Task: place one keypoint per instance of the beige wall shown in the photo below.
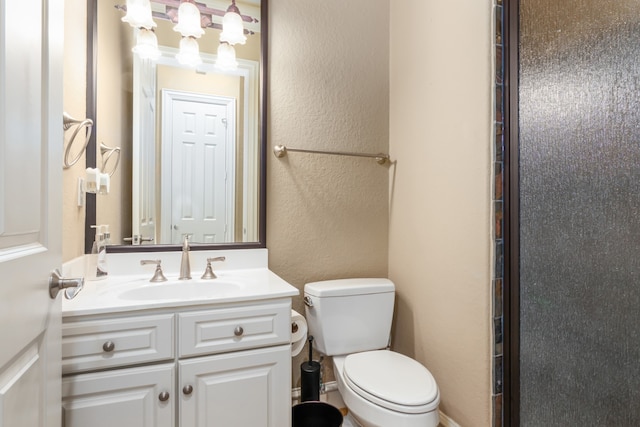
(440, 228)
(327, 217)
(75, 88)
(424, 222)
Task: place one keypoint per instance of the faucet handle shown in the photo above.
(208, 272)
(185, 242)
(158, 276)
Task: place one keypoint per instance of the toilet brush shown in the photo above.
(310, 377)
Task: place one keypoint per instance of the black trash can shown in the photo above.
(316, 414)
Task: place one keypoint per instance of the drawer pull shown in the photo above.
(238, 331)
(109, 346)
(164, 396)
(188, 389)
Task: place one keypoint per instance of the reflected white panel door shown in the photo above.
(31, 141)
(202, 141)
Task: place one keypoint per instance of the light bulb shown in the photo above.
(139, 14)
(232, 26)
(189, 20)
(146, 45)
(189, 52)
(226, 59)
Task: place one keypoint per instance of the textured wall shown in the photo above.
(327, 216)
(441, 190)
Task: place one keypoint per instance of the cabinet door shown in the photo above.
(241, 389)
(123, 398)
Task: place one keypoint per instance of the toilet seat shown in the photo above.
(391, 380)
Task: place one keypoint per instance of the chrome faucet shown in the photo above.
(185, 267)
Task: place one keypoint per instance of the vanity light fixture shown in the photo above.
(190, 18)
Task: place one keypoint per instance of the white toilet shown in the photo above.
(350, 319)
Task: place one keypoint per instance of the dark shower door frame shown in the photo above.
(511, 279)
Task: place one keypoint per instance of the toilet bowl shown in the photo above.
(377, 400)
(350, 320)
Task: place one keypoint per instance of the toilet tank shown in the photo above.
(349, 315)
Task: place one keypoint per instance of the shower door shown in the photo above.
(579, 213)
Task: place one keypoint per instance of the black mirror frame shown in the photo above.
(91, 110)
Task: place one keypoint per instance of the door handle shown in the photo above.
(71, 286)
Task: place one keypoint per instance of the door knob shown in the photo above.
(71, 286)
(188, 389)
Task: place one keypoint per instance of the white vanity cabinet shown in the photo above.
(194, 366)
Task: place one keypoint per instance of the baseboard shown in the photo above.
(328, 393)
(446, 421)
(329, 387)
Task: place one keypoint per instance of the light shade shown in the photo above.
(146, 45)
(232, 27)
(139, 14)
(189, 20)
(226, 59)
(189, 52)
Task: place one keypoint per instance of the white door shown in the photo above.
(202, 144)
(31, 141)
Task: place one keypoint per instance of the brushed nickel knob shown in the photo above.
(164, 396)
(238, 331)
(109, 346)
(188, 389)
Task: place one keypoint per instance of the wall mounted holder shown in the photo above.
(107, 152)
(67, 123)
(280, 151)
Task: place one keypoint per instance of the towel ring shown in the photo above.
(106, 152)
(67, 122)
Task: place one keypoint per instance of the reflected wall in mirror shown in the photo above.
(192, 138)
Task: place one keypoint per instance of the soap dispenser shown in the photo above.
(107, 235)
(96, 261)
(102, 239)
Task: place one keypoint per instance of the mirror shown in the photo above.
(209, 185)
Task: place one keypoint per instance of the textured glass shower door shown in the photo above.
(579, 142)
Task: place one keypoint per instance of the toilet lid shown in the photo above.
(391, 380)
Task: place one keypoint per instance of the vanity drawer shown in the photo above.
(106, 343)
(234, 328)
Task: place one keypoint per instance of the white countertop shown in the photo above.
(129, 288)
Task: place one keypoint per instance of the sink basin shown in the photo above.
(181, 290)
